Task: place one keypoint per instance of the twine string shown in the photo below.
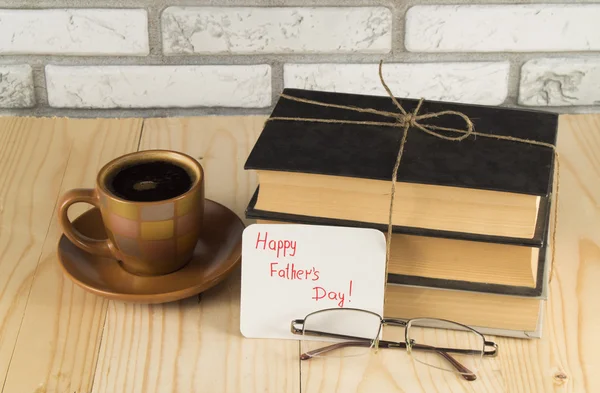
(407, 120)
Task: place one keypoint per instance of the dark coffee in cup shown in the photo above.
(150, 181)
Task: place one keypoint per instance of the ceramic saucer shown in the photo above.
(218, 251)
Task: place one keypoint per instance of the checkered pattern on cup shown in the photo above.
(156, 231)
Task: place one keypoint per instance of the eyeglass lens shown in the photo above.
(327, 327)
(432, 340)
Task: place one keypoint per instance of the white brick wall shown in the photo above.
(503, 28)
(276, 30)
(74, 32)
(160, 54)
(16, 87)
(560, 82)
(483, 83)
(158, 86)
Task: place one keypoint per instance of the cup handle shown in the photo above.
(93, 246)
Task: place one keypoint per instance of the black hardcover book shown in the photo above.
(542, 232)
(369, 151)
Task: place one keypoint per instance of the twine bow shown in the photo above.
(407, 120)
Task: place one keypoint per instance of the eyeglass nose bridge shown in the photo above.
(400, 323)
(394, 322)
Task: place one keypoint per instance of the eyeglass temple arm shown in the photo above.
(333, 347)
(465, 372)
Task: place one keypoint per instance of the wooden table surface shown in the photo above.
(55, 337)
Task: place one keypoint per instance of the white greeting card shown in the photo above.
(289, 271)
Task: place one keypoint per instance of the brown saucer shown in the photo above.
(218, 251)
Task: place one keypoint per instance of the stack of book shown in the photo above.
(470, 220)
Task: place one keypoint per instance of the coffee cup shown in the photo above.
(152, 206)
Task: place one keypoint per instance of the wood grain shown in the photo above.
(52, 337)
(32, 162)
(567, 358)
(57, 344)
(195, 345)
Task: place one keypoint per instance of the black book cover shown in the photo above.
(369, 151)
(541, 234)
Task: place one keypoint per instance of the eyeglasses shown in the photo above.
(438, 343)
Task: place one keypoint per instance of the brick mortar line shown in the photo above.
(512, 94)
(39, 86)
(26, 4)
(398, 28)
(214, 111)
(276, 82)
(154, 31)
(231, 59)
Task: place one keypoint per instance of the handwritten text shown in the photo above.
(290, 272)
(282, 247)
(339, 296)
